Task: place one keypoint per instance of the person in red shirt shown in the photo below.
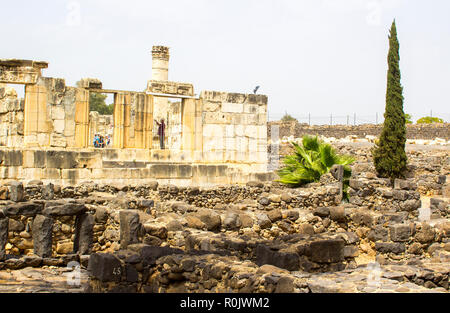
(161, 132)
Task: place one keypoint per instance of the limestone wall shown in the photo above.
(11, 117)
(234, 127)
(413, 131)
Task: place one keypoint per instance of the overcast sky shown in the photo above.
(313, 56)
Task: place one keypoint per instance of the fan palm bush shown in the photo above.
(310, 161)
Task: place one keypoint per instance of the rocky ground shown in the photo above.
(262, 237)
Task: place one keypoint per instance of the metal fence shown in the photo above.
(349, 119)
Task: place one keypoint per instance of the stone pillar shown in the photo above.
(81, 118)
(160, 63)
(148, 122)
(143, 121)
(160, 71)
(192, 132)
(121, 120)
(4, 225)
(42, 230)
(130, 227)
(36, 128)
(84, 234)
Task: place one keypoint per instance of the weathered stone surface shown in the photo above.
(42, 236)
(105, 267)
(327, 251)
(337, 214)
(130, 228)
(156, 229)
(150, 254)
(322, 212)
(16, 226)
(274, 215)
(387, 247)
(48, 191)
(378, 233)
(211, 219)
(232, 221)
(16, 191)
(425, 233)
(400, 232)
(263, 220)
(67, 209)
(4, 223)
(84, 232)
(286, 260)
(101, 215)
(338, 172)
(404, 184)
(28, 209)
(285, 285)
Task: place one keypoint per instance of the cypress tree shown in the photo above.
(389, 154)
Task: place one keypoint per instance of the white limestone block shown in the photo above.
(232, 107)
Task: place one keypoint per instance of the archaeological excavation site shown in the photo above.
(185, 197)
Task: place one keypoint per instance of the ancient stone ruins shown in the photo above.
(205, 214)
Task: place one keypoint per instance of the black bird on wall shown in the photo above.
(256, 89)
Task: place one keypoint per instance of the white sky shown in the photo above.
(313, 56)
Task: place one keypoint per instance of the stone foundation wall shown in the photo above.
(122, 166)
(413, 131)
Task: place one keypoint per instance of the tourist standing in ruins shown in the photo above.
(161, 132)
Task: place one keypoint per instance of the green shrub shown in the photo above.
(310, 161)
(429, 120)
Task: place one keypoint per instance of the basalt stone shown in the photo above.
(388, 247)
(32, 261)
(264, 201)
(337, 214)
(263, 220)
(101, 215)
(16, 226)
(48, 191)
(425, 234)
(401, 195)
(404, 184)
(130, 228)
(327, 251)
(400, 232)
(42, 236)
(67, 209)
(410, 205)
(274, 215)
(27, 209)
(16, 191)
(84, 233)
(150, 254)
(232, 221)
(281, 259)
(378, 233)
(322, 212)
(285, 285)
(211, 219)
(292, 215)
(4, 224)
(146, 204)
(105, 267)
